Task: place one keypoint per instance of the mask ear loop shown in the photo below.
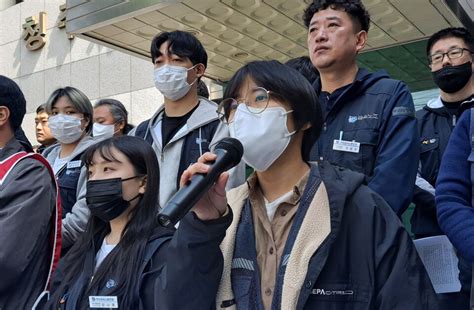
(115, 131)
(290, 133)
(195, 80)
(138, 195)
(130, 178)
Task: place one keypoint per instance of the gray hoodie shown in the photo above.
(169, 157)
(75, 222)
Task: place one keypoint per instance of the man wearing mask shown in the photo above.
(43, 133)
(369, 119)
(449, 53)
(186, 125)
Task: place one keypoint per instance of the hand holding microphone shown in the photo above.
(203, 185)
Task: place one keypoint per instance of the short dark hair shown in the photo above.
(12, 97)
(356, 10)
(202, 89)
(78, 99)
(304, 66)
(41, 108)
(289, 85)
(452, 32)
(181, 43)
(118, 111)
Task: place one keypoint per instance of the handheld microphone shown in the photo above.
(229, 152)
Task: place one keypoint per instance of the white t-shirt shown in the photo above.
(273, 206)
(104, 250)
(59, 163)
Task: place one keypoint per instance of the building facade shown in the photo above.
(98, 71)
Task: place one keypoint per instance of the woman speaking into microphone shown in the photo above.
(304, 235)
(125, 259)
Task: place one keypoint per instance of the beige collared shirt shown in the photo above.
(270, 237)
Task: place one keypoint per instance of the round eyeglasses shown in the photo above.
(256, 102)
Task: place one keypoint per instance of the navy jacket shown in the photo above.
(454, 196)
(378, 113)
(182, 273)
(366, 261)
(453, 190)
(435, 126)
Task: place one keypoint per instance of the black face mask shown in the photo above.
(104, 198)
(453, 78)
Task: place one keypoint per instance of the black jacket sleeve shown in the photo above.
(401, 278)
(191, 266)
(27, 200)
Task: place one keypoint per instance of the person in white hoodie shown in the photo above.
(70, 122)
(186, 125)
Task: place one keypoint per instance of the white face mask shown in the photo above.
(172, 82)
(264, 136)
(103, 131)
(65, 128)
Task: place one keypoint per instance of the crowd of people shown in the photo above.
(336, 155)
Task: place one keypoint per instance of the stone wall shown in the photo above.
(98, 71)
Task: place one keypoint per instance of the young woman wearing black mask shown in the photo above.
(125, 259)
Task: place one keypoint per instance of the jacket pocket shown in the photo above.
(241, 289)
(364, 160)
(339, 296)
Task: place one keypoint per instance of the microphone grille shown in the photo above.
(233, 147)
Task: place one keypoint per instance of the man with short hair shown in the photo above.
(450, 54)
(186, 125)
(43, 133)
(27, 209)
(369, 119)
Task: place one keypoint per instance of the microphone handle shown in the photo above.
(186, 197)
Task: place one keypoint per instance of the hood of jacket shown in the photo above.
(52, 152)
(363, 80)
(436, 106)
(13, 146)
(364, 83)
(205, 113)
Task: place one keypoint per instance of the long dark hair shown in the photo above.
(126, 258)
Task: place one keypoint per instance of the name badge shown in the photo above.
(74, 164)
(107, 302)
(346, 146)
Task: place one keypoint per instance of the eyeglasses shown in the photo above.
(453, 53)
(256, 102)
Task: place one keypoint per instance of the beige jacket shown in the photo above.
(315, 228)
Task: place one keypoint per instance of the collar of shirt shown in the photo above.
(271, 236)
(255, 192)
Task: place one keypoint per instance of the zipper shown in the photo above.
(454, 120)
